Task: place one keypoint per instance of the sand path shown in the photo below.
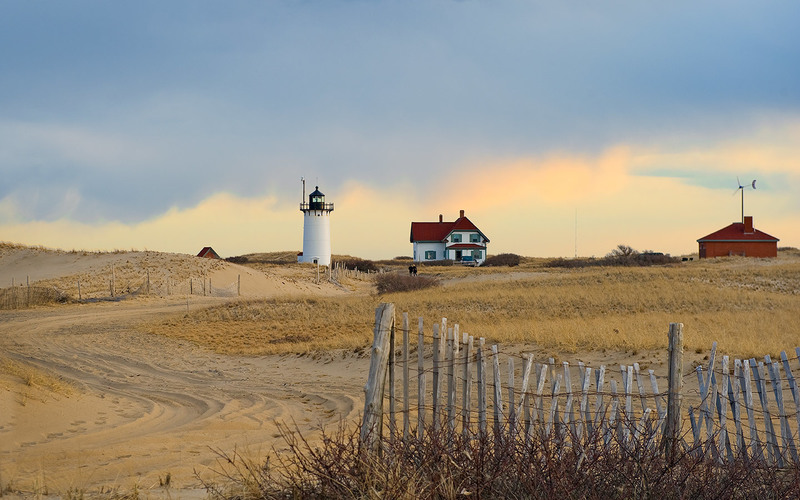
(145, 405)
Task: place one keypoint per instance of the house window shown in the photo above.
(456, 238)
(430, 254)
(474, 238)
(476, 254)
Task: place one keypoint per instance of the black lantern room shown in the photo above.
(316, 200)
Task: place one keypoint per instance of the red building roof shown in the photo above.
(208, 253)
(736, 232)
(438, 231)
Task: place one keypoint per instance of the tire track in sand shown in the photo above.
(147, 405)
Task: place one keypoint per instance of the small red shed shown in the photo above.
(740, 238)
(208, 253)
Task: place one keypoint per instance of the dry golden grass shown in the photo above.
(750, 307)
(35, 377)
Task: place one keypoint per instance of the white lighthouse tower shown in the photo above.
(316, 228)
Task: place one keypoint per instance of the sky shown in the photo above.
(561, 128)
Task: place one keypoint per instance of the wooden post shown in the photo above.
(755, 442)
(512, 417)
(672, 428)
(568, 414)
(481, 362)
(392, 384)
(28, 286)
(113, 280)
(773, 454)
(238, 285)
(148, 282)
(467, 393)
(599, 409)
(498, 393)
(79, 289)
(451, 380)
(420, 382)
(406, 409)
(437, 352)
(374, 390)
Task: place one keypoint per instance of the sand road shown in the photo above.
(143, 406)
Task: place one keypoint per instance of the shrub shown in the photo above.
(360, 264)
(239, 259)
(444, 465)
(503, 259)
(623, 255)
(394, 282)
(445, 262)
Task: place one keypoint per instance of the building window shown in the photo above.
(430, 254)
(456, 238)
(474, 238)
(477, 254)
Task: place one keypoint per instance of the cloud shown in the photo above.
(538, 206)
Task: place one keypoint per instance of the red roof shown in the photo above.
(438, 231)
(735, 232)
(209, 253)
(460, 246)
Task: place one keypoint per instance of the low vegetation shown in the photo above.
(397, 283)
(623, 255)
(503, 259)
(35, 377)
(445, 467)
(20, 297)
(354, 263)
(619, 308)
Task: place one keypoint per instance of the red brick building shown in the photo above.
(208, 253)
(740, 239)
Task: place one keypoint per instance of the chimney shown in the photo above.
(461, 214)
(440, 218)
(748, 224)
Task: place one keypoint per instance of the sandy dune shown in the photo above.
(137, 406)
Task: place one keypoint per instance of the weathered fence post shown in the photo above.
(481, 367)
(674, 396)
(437, 352)
(392, 385)
(420, 381)
(406, 409)
(374, 390)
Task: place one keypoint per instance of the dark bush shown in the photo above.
(239, 259)
(623, 255)
(394, 282)
(360, 264)
(445, 262)
(503, 259)
(445, 465)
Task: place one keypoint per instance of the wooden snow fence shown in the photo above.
(460, 390)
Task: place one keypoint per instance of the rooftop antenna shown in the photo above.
(741, 188)
(303, 180)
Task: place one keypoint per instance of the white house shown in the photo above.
(460, 241)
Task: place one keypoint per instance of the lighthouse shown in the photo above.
(316, 228)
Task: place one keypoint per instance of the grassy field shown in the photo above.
(751, 307)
